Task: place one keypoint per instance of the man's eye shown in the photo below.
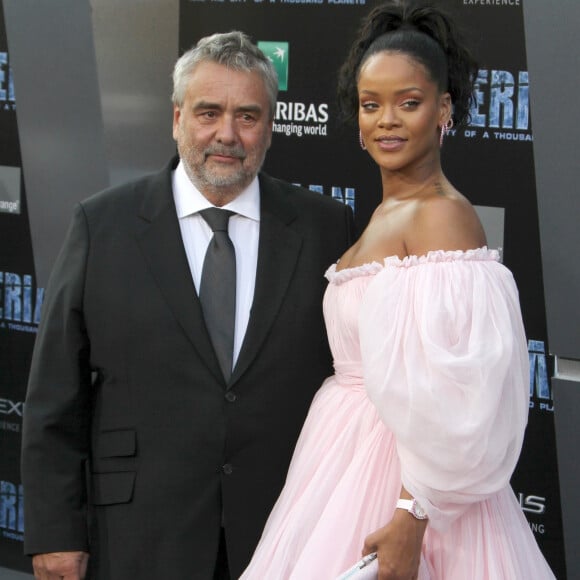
(208, 115)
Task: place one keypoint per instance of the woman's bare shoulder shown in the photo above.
(444, 221)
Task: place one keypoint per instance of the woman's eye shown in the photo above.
(411, 104)
(368, 106)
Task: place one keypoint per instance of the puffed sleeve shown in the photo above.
(445, 362)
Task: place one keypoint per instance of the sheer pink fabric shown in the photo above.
(445, 361)
(442, 407)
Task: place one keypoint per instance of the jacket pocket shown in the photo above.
(113, 467)
(112, 488)
(118, 443)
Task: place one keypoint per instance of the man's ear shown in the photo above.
(176, 118)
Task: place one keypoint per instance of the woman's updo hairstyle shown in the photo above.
(422, 32)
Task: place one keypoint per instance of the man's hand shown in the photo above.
(60, 566)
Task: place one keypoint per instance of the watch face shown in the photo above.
(418, 511)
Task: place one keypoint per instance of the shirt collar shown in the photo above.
(189, 200)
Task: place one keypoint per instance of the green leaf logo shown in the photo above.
(278, 53)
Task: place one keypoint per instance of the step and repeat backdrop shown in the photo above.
(20, 305)
(490, 161)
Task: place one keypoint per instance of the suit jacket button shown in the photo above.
(228, 469)
(230, 396)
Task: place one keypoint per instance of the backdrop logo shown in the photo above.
(540, 390)
(346, 195)
(533, 505)
(10, 415)
(8, 407)
(9, 189)
(7, 100)
(279, 54)
(491, 2)
(11, 511)
(20, 303)
(501, 107)
(293, 119)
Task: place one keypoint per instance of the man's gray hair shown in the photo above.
(234, 50)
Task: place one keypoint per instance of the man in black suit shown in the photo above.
(142, 458)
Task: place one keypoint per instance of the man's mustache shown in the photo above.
(235, 151)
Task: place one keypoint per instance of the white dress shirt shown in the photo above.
(244, 231)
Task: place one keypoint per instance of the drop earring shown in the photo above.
(445, 128)
(361, 142)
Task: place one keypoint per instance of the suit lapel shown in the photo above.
(162, 247)
(278, 251)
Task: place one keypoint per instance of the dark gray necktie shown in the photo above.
(217, 291)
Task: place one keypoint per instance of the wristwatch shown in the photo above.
(413, 507)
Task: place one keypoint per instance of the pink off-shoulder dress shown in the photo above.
(430, 391)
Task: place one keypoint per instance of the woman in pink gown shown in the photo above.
(429, 399)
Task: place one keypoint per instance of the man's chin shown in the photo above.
(226, 179)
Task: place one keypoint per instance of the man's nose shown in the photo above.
(226, 130)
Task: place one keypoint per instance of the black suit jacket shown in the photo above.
(134, 448)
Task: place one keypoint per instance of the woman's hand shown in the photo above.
(398, 546)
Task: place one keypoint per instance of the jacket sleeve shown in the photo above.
(55, 439)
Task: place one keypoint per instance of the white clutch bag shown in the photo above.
(366, 568)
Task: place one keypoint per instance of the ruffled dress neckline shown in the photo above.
(435, 256)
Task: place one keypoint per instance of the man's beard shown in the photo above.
(205, 177)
